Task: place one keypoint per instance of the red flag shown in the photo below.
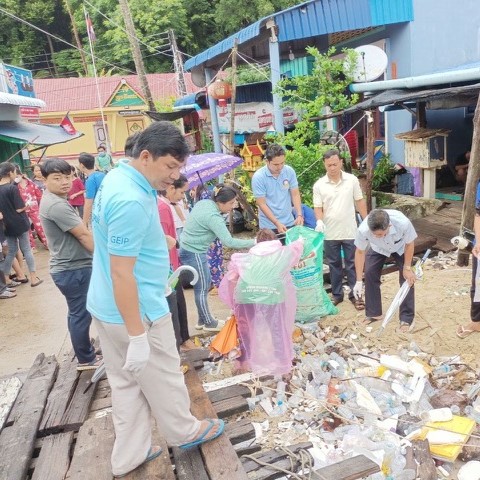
(67, 125)
(90, 30)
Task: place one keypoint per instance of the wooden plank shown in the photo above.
(272, 456)
(101, 403)
(78, 408)
(230, 406)
(421, 452)
(59, 398)
(349, 469)
(230, 392)
(189, 464)
(91, 458)
(220, 459)
(160, 467)
(9, 390)
(17, 439)
(196, 355)
(240, 431)
(54, 458)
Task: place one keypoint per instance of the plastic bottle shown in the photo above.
(281, 406)
(407, 474)
(472, 413)
(345, 412)
(442, 369)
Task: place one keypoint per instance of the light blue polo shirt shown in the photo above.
(276, 192)
(126, 223)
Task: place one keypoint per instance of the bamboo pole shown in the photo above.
(370, 157)
(234, 96)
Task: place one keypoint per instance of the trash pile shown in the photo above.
(348, 401)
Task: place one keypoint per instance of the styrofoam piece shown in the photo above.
(365, 400)
(393, 362)
(228, 382)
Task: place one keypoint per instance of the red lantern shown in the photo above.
(220, 90)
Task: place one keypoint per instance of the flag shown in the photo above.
(90, 30)
(67, 125)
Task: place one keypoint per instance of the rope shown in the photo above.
(302, 459)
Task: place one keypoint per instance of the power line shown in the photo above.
(61, 40)
(119, 26)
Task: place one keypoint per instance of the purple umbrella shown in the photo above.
(202, 168)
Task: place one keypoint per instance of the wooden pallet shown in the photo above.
(58, 429)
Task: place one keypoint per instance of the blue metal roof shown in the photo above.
(314, 18)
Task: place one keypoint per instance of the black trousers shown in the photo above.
(178, 309)
(474, 306)
(373, 296)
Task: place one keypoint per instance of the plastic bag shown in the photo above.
(259, 289)
(312, 299)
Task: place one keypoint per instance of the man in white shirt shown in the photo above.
(387, 233)
(336, 196)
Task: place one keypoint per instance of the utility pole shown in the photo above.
(137, 54)
(77, 36)
(473, 175)
(234, 96)
(178, 64)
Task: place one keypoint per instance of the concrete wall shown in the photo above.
(443, 35)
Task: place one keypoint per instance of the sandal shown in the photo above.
(358, 303)
(203, 437)
(369, 320)
(152, 454)
(463, 332)
(405, 327)
(36, 284)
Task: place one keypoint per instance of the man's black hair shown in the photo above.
(55, 165)
(6, 168)
(130, 143)
(87, 160)
(161, 139)
(274, 150)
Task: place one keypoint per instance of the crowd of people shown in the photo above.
(116, 238)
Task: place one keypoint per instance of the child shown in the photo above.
(259, 289)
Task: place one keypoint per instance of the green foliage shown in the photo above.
(325, 87)
(232, 15)
(383, 174)
(249, 74)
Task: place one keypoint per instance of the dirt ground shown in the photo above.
(35, 321)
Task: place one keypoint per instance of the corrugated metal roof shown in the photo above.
(314, 18)
(76, 94)
(44, 135)
(12, 99)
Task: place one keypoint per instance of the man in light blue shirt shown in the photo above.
(127, 300)
(387, 233)
(275, 188)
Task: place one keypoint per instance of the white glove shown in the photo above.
(320, 227)
(358, 290)
(137, 354)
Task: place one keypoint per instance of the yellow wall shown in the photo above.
(84, 121)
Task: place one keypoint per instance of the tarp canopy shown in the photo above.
(170, 116)
(41, 135)
(436, 98)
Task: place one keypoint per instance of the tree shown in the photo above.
(232, 16)
(310, 95)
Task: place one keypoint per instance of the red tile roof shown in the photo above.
(73, 94)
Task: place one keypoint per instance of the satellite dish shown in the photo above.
(371, 62)
(336, 140)
(198, 77)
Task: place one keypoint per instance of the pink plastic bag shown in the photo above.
(258, 288)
